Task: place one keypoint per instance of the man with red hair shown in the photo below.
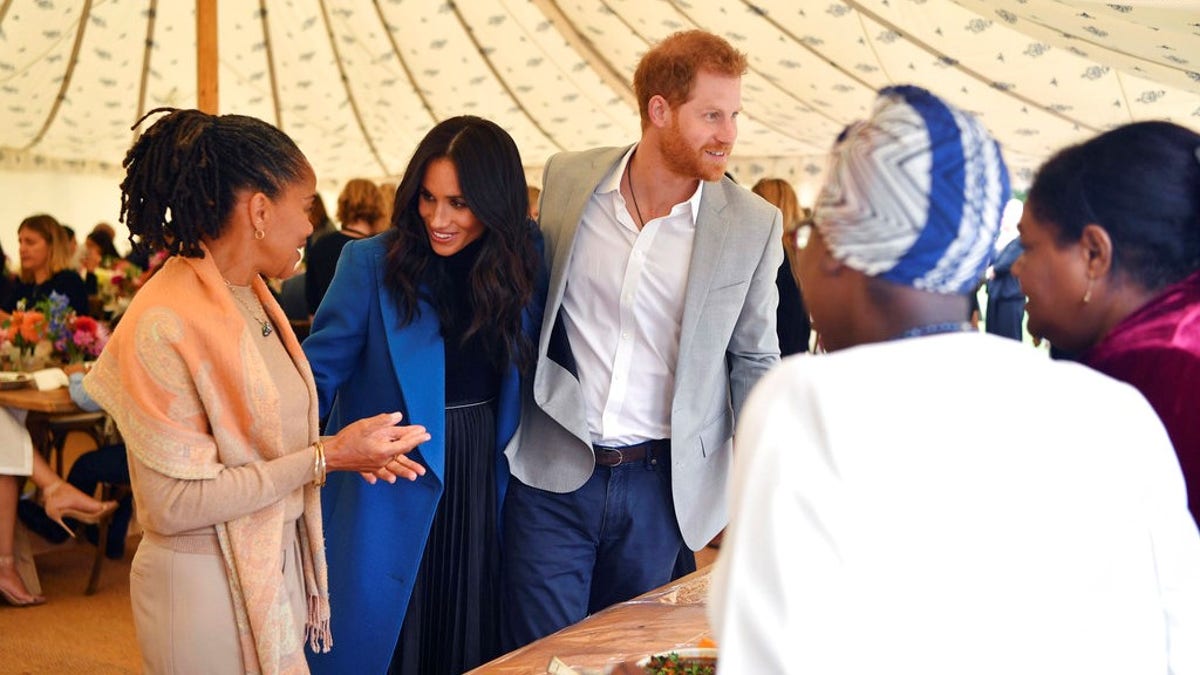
(660, 317)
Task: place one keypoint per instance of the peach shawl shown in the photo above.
(191, 395)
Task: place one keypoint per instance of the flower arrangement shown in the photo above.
(24, 329)
(51, 329)
(83, 338)
(117, 284)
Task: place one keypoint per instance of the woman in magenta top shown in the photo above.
(1111, 231)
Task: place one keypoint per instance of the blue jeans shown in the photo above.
(570, 555)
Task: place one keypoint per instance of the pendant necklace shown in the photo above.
(935, 329)
(264, 324)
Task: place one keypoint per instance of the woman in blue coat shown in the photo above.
(434, 318)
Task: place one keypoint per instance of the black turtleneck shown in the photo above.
(470, 375)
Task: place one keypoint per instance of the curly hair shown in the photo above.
(183, 174)
(669, 68)
(502, 279)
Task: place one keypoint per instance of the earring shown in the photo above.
(259, 233)
(1087, 295)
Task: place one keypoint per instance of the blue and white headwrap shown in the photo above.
(914, 194)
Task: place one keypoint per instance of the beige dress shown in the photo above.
(16, 448)
(182, 604)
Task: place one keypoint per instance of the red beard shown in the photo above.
(684, 160)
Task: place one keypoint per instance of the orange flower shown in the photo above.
(30, 323)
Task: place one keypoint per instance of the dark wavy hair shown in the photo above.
(183, 173)
(103, 240)
(1141, 183)
(501, 281)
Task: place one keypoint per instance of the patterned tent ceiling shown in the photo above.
(358, 82)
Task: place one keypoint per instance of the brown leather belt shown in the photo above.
(616, 456)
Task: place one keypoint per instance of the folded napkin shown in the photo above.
(50, 378)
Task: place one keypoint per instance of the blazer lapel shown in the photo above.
(708, 247)
(555, 384)
(562, 223)
(418, 359)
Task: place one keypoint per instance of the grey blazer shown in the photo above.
(727, 342)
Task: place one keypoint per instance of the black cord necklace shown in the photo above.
(629, 180)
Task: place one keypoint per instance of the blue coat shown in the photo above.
(365, 363)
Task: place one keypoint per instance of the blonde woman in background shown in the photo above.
(45, 267)
(791, 317)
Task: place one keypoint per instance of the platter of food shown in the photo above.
(681, 661)
(12, 380)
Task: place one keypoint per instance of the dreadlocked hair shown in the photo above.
(501, 280)
(183, 173)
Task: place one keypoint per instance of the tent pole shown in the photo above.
(206, 56)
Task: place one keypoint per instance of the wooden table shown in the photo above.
(53, 401)
(666, 618)
(52, 415)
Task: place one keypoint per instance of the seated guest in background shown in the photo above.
(216, 403)
(1111, 231)
(106, 464)
(791, 317)
(6, 278)
(45, 268)
(359, 208)
(60, 500)
(100, 249)
(99, 252)
(435, 317)
(105, 229)
(873, 529)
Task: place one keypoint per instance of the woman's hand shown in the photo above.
(376, 447)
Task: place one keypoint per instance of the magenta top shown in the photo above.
(1157, 350)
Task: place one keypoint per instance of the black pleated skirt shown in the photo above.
(453, 620)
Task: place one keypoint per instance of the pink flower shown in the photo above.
(85, 324)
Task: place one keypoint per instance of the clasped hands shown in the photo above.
(377, 447)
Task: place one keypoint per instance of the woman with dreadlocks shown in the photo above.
(434, 317)
(216, 402)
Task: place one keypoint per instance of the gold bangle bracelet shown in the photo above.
(319, 464)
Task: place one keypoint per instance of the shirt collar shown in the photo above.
(612, 183)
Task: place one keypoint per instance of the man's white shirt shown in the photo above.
(623, 309)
